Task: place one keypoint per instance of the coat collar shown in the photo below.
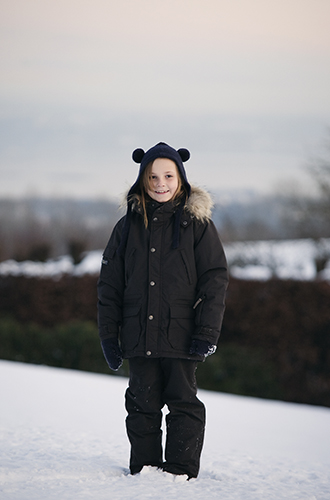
(198, 206)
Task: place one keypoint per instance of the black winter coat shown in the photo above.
(157, 299)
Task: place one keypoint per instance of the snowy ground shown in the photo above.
(261, 260)
(287, 259)
(63, 437)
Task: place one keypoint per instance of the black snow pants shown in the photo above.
(154, 383)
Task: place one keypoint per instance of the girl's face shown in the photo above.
(163, 180)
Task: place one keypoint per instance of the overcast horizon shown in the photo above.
(244, 85)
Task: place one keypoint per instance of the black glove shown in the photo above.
(202, 347)
(112, 353)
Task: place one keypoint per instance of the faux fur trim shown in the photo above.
(199, 203)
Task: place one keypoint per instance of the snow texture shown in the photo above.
(258, 260)
(63, 437)
(287, 259)
(91, 264)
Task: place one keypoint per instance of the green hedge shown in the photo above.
(240, 370)
(76, 345)
(275, 340)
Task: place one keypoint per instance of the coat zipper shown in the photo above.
(198, 301)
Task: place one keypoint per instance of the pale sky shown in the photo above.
(243, 84)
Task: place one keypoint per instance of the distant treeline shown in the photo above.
(275, 341)
(39, 229)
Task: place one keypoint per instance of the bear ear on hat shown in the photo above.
(138, 155)
(184, 154)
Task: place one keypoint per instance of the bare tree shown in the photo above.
(307, 215)
(319, 169)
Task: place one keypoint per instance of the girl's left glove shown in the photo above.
(202, 347)
(112, 353)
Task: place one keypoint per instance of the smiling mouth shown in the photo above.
(162, 192)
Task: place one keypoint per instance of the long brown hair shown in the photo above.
(145, 187)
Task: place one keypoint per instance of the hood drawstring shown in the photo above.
(176, 228)
(176, 225)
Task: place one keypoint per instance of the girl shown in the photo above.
(161, 291)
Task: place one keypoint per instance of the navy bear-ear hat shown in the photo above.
(160, 150)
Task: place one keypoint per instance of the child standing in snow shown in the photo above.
(161, 292)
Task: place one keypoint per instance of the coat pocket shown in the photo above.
(181, 327)
(131, 327)
(129, 265)
(186, 265)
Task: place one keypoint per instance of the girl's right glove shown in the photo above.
(112, 353)
(202, 347)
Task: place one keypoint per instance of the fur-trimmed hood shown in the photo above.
(199, 203)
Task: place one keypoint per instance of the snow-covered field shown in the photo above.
(287, 259)
(63, 437)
